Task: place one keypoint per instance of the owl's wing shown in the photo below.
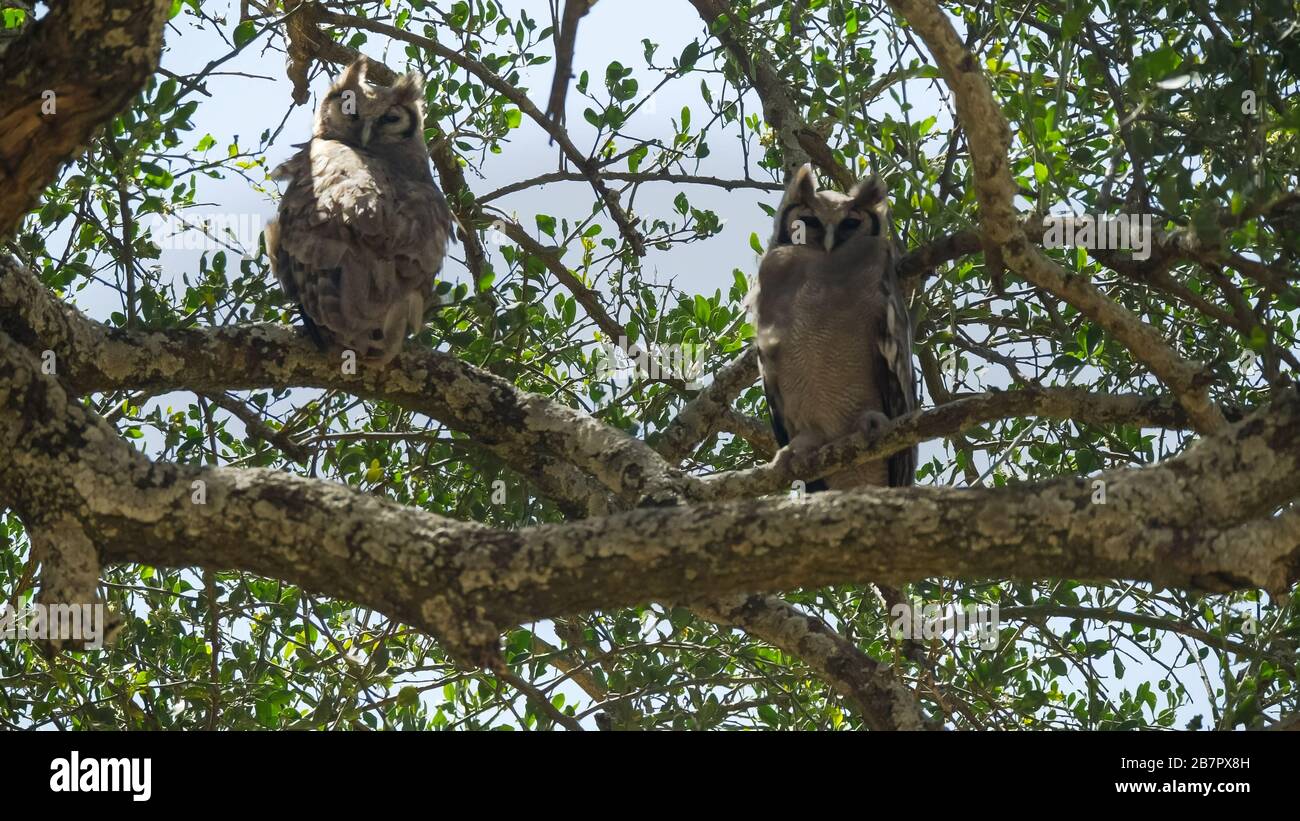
(769, 303)
(772, 392)
(773, 396)
(895, 378)
(779, 275)
(357, 246)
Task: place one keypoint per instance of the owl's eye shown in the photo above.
(800, 226)
(346, 100)
(389, 119)
(850, 224)
(804, 229)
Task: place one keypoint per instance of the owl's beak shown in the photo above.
(829, 240)
(365, 132)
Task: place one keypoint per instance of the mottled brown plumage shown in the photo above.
(833, 334)
(362, 227)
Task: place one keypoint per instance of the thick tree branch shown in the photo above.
(118, 356)
(66, 76)
(531, 431)
(27, 309)
(1202, 520)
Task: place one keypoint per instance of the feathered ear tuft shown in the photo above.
(409, 88)
(355, 74)
(803, 185)
(869, 193)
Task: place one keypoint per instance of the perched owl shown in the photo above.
(362, 228)
(834, 337)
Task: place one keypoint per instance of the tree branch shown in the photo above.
(1004, 239)
(1202, 520)
(66, 76)
(800, 143)
(950, 419)
(530, 431)
(512, 93)
(882, 701)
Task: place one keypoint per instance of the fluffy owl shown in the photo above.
(833, 333)
(362, 228)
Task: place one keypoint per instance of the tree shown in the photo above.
(493, 532)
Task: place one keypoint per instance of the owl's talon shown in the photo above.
(781, 461)
(799, 448)
(873, 423)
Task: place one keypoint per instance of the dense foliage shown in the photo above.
(1170, 108)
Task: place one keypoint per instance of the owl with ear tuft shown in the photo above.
(362, 228)
(833, 333)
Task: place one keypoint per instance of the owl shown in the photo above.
(833, 333)
(362, 228)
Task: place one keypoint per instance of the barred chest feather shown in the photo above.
(825, 356)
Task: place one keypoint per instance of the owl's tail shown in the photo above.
(312, 329)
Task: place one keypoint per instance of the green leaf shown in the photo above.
(244, 33)
(690, 55)
(634, 159)
(408, 696)
(703, 310)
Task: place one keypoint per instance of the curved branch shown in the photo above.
(703, 414)
(530, 431)
(585, 296)
(67, 75)
(633, 177)
(950, 419)
(1202, 520)
(881, 699)
(989, 139)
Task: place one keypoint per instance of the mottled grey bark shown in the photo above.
(1203, 520)
(869, 686)
(64, 78)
